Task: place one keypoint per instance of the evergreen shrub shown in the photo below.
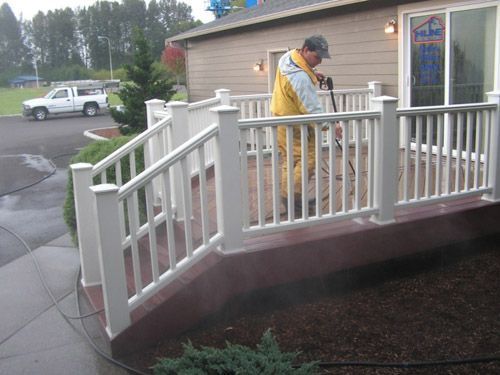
(267, 359)
(94, 153)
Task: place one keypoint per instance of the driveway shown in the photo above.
(37, 153)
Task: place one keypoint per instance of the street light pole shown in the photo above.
(109, 50)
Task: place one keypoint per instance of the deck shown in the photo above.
(299, 254)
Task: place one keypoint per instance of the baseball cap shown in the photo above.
(318, 44)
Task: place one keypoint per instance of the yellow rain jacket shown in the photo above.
(295, 94)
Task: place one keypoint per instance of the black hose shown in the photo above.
(66, 316)
(51, 173)
(449, 362)
(43, 280)
(329, 84)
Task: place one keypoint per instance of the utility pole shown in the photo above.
(109, 50)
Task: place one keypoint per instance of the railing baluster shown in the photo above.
(244, 178)
(487, 147)
(289, 177)
(118, 173)
(458, 164)
(357, 177)
(407, 159)
(468, 151)
(275, 170)
(332, 170)
(478, 149)
(318, 150)
(187, 209)
(346, 182)
(133, 222)
(449, 151)
(304, 144)
(203, 196)
(418, 157)
(169, 219)
(371, 161)
(261, 204)
(439, 153)
(428, 155)
(153, 246)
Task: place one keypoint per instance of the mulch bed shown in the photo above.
(436, 306)
(110, 132)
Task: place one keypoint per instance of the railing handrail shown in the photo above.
(203, 103)
(301, 119)
(167, 161)
(324, 92)
(130, 146)
(451, 108)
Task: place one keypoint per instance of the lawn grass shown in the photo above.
(11, 99)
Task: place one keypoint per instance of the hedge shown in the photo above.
(93, 153)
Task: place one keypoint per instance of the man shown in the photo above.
(295, 94)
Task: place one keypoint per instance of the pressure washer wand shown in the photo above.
(329, 84)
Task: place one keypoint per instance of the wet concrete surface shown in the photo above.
(34, 336)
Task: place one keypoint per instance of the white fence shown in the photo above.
(244, 154)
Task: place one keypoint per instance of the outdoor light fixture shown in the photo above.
(391, 27)
(259, 65)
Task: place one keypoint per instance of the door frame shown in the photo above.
(272, 59)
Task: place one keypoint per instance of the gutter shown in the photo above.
(266, 18)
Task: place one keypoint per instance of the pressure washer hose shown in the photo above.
(329, 84)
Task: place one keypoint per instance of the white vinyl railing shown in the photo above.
(334, 171)
(445, 152)
(380, 142)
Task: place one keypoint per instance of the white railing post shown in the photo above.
(154, 149)
(224, 95)
(180, 134)
(228, 178)
(85, 223)
(386, 156)
(494, 161)
(375, 89)
(114, 284)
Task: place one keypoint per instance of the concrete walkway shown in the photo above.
(34, 337)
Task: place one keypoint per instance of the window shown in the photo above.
(61, 94)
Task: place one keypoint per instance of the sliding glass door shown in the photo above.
(452, 56)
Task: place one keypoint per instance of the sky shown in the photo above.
(29, 8)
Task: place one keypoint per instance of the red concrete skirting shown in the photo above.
(299, 255)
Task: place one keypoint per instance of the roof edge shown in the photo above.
(269, 17)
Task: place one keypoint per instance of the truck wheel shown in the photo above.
(40, 114)
(90, 110)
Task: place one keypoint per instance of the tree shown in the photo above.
(145, 85)
(174, 58)
(13, 53)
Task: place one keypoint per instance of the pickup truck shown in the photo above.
(87, 100)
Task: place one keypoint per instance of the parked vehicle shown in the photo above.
(88, 100)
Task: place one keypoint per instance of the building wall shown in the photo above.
(361, 52)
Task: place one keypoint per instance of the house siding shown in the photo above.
(361, 52)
